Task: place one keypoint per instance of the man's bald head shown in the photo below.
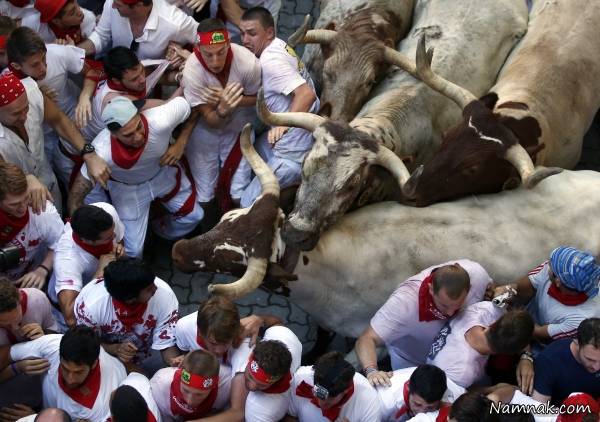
(52, 414)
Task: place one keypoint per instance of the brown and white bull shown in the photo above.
(405, 116)
(545, 100)
(361, 259)
(353, 38)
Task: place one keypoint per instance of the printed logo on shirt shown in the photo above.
(293, 53)
(440, 341)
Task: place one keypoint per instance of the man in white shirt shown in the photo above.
(94, 230)
(146, 26)
(220, 80)
(133, 312)
(80, 375)
(197, 389)
(17, 9)
(133, 401)
(231, 11)
(287, 87)
(331, 391)
(414, 314)
(464, 345)
(134, 144)
(61, 20)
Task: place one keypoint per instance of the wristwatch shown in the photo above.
(87, 148)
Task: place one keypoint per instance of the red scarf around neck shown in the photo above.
(566, 299)
(306, 390)
(12, 338)
(427, 309)
(10, 226)
(223, 75)
(17, 73)
(61, 33)
(180, 408)
(124, 156)
(90, 387)
(443, 413)
(96, 250)
(118, 86)
(129, 315)
(406, 406)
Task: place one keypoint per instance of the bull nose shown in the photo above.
(300, 239)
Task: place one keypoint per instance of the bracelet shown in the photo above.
(45, 268)
(369, 369)
(526, 356)
(13, 367)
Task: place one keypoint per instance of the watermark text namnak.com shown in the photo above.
(540, 409)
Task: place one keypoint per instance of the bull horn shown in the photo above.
(306, 121)
(396, 58)
(313, 36)
(394, 164)
(459, 95)
(530, 175)
(250, 281)
(268, 181)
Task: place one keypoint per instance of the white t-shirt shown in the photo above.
(166, 23)
(43, 29)
(363, 406)
(562, 320)
(391, 399)
(397, 321)
(94, 308)
(161, 122)
(272, 6)
(73, 266)
(450, 350)
(12, 11)
(520, 398)
(47, 347)
(161, 391)
(37, 309)
(41, 233)
(282, 73)
(142, 385)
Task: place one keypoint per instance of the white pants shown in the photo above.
(132, 203)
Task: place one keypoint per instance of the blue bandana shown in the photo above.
(575, 269)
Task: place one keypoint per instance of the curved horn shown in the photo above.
(268, 181)
(252, 278)
(459, 95)
(387, 159)
(530, 175)
(313, 36)
(306, 121)
(398, 59)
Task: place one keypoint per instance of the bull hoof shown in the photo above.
(539, 174)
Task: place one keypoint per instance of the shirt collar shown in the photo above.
(152, 22)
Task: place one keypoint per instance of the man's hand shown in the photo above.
(525, 375)
(176, 361)
(211, 95)
(230, 98)
(83, 112)
(276, 133)
(64, 41)
(172, 155)
(38, 194)
(489, 290)
(32, 331)
(35, 279)
(15, 412)
(48, 92)
(251, 326)
(126, 351)
(380, 378)
(119, 250)
(195, 5)
(176, 55)
(33, 366)
(98, 170)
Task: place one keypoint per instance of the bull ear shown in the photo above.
(489, 100)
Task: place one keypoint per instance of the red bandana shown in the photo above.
(129, 315)
(91, 387)
(11, 87)
(19, 3)
(61, 33)
(23, 302)
(96, 250)
(124, 156)
(118, 86)
(306, 390)
(427, 310)
(223, 75)
(218, 36)
(277, 387)
(566, 299)
(11, 226)
(405, 407)
(180, 408)
(3, 39)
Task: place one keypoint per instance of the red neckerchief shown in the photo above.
(129, 315)
(306, 390)
(280, 386)
(180, 408)
(10, 226)
(427, 309)
(224, 358)
(23, 303)
(566, 299)
(61, 33)
(223, 75)
(17, 73)
(223, 189)
(406, 406)
(96, 250)
(91, 385)
(443, 413)
(118, 86)
(124, 156)
(19, 3)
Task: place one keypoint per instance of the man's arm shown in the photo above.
(81, 187)
(540, 333)
(523, 286)
(88, 46)
(37, 277)
(232, 10)
(303, 98)
(170, 355)
(66, 302)
(540, 397)
(237, 403)
(366, 350)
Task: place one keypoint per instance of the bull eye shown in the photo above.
(470, 171)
